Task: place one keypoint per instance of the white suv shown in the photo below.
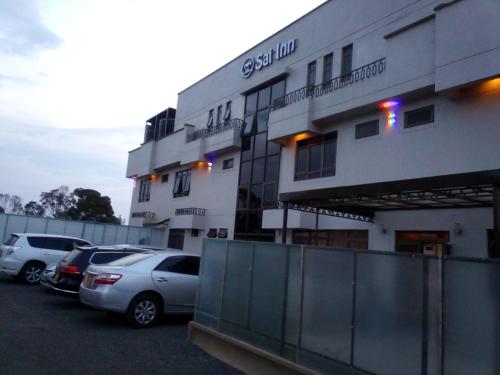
(26, 255)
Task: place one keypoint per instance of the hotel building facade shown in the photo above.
(363, 124)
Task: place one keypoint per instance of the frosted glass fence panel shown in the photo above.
(328, 303)
(471, 318)
(388, 317)
(352, 312)
(97, 233)
(211, 280)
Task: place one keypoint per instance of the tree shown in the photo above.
(11, 204)
(57, 202)
(91, 206)
(34, 209)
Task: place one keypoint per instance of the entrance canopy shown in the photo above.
(464, 190)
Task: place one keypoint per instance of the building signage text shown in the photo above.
(265, 59)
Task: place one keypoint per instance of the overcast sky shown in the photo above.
(78, 79)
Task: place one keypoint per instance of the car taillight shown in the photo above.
(70, 269)
(107, 278)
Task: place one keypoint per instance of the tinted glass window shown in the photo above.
(327, 67)
(101, 258)
(249, 124)
(245, 173)
(315, 158)
(180, 264)
(311, 73)
(62, 244)
(251, 103)
(258, 170)
(273, 148)
(260, 144)
(262, 117)
(367, 129)
(81, 243)
(272, 168)
(176, 239)
(131, 259)
(419, 116)
(246, 148)
(256, 196)
(11, 240)
(346, 60)
(269, 195)
(72, 255)
(242, 197)
(278, 91)
(264, 97)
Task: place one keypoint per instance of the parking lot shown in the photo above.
(44, 333)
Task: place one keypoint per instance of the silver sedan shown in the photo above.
(143, 286)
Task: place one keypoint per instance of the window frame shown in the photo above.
(346, 68)
(227, 113)
(180, 182)
(326, 78)
(407, 113)
(357, 128)
(210, 121)
(145, 190)
(309, 81)
(228, 163)
(219, 115)
(308, 144)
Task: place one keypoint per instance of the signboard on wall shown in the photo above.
(265, 59)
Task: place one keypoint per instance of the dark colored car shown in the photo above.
(69, 271)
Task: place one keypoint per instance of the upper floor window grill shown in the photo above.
(160, 125)
(367, 129)
(182, 183)
(419, 116)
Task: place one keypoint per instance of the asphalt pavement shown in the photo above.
(42, 333)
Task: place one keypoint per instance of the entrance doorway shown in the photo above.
(421, 242)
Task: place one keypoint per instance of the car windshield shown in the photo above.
(11, 240)
(131, 259)
(72, 255)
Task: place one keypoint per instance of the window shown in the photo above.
(145, 190)
(11, 241)
(346, 67)
(316, 157)
(311, 74)
(367, 129)
(210, 121)
(187, 265)
(176, 239)
(348, 239)
(419, 116)
(51, 243)
(227, 164)
(101, 258)
(219, 115)
(227, 113)
(182, 183)
(433, 243)
(327, 67)
(164, 178)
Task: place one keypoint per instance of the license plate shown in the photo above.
(88, 281)
(55, 278)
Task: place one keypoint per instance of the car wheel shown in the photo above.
(32, 272)
(144, 311)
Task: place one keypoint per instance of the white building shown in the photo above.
(383, 114)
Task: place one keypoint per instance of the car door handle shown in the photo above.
(162, 280)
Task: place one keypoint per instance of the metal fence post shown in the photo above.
(441, 271)
(425, 311)
(285, 301)
(353, 309)
(221, 298)
(301, 303)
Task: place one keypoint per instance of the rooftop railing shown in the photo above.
(360, 74)
(235, 123)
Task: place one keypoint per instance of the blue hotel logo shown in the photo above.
(265, 59)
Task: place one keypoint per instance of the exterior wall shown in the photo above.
(434, 149)
(432, 50)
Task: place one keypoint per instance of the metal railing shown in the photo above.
(235, 123)
(191, 211)
(310, 91)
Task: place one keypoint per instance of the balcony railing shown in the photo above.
(360, 74)
(235, 123)
(191, 211)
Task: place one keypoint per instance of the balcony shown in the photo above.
(189, 218)
(139, 161)
(217, 140)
